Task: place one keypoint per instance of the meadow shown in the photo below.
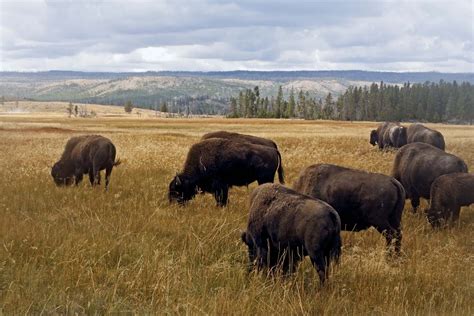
(84, 250)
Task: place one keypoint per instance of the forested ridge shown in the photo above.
(429, 101)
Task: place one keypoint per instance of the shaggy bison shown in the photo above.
(245, 138)
(215, 165)
(361, 199)
(420, 133)
(285, 226)
(85, 155)
(417, 165)
(448, 193)
(389, 135)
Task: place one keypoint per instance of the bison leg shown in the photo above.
(78, 175)
(454, 217)
(415, 202)
(221, 193)
(393, 237)
(320, 264)
(108, 172)
(91, 177)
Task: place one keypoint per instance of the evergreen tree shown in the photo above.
(128, 107)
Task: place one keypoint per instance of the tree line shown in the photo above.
(431, 102)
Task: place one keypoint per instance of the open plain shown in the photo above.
(84, 250)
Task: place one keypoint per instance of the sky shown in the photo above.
(206, 35)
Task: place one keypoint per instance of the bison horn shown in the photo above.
(178, 180)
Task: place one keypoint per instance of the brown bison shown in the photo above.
(247, 138)
(420, 133)
(215, 165)
(417, 165)
(285, 226)
(361, 199)
(389, 134)
(85, 155)
(448, 193)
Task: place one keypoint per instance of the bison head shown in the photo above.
(59, 174)
(374, 137)
(181, 189)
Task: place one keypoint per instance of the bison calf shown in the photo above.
(448, 193)
(85, 155)
(285, 226)
(417, 165)
(361, 199)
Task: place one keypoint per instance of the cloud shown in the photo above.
(108, 35)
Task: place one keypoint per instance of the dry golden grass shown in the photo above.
(82, 250)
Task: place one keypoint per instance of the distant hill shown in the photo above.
(202, 92)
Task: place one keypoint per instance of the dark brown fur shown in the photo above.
(417, 165)
(389, 134)
(251, 139)
(87, 154)
(285, 226)
(448, 194)
(215, 165)
(362, 199)
(420, 133)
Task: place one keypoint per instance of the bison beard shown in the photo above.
(85, 155)
(362, 199)
(215, 165)
(285, 226)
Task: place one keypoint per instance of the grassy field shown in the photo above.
(83, 250)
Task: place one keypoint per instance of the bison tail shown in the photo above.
(336, 245)
(396, 215)
(281, 172)
(117, 162)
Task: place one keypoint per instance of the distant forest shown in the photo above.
(430, 102)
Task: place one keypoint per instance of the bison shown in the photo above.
(361, 199)
(420, 133)
(215, 165)
(87, 154)
(417, 165)
(246, 138)
(284, 226)
(448, 193)
(389, 135)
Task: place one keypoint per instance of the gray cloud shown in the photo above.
(113, 35)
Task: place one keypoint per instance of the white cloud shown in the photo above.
(110, 35)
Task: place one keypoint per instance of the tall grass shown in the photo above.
(83, 250)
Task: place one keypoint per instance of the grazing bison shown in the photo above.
(247, 138)
(448, 193)
(420, 133)
(389, 135)
(85, 155)
(417, 165)
(215, 165)
(285, 226)
(361, 199)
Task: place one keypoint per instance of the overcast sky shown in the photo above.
(206, 35)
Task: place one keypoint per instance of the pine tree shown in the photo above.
(128, 107)
(290, 111)
(164, 107)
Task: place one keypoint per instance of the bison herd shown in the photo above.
(287, 224)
